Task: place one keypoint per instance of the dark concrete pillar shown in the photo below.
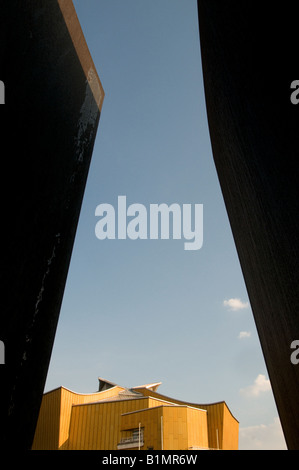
(249, 61)
(53, 98)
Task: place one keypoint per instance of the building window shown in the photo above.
(135, 434)
(134, 441)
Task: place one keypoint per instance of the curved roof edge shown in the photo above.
(196, 405)
(80, 393)
(105, 385)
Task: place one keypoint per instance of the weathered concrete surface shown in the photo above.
(53, 99)
(249, 61)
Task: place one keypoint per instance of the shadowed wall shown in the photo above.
(53, 99)
(249, 61)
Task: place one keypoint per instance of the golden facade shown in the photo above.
(139, 418)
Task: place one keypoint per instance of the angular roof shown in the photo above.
(152, 386)
(105, 384)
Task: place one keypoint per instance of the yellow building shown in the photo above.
(116, 417)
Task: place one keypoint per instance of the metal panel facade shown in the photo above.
(110, 420)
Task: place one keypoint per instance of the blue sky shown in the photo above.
(139, 311)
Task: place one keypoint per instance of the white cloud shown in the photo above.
(262, 437)
(261, 385)
(235, 304)
(244, 334)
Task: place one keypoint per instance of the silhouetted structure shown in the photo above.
(53, 99)
(249, 61)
